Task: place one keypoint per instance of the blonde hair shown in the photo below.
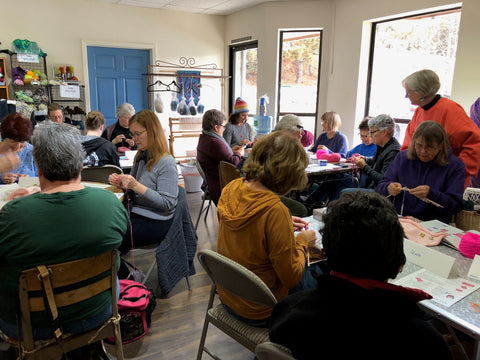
(278, 160)
(332, 119)
(424, 82)
(157, 142)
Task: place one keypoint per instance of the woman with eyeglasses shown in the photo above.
(152, 188)
(421, 89)
(427, 172)
(367, 147)
(213, 148)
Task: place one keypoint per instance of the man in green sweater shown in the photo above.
(65, 221)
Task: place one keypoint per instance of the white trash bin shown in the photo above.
(193, 180)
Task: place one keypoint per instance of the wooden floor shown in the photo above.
(178, 319)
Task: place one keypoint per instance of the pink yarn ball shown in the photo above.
(334, 157)
(470, 245)
(321, 152)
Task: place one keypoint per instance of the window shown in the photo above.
(299, 75)
(243, 70)
(402, 46)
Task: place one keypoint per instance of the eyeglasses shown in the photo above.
(365, 136)
(138, 133)
(222, 125)
(374, 132)
(426, 148)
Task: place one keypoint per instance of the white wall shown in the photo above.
(343, 63)
(263, 23)
(60, 27)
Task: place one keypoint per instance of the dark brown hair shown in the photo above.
(16, 127)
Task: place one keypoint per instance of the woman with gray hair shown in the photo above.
(65, 221)
(382, 129)
(119, 133)
(426, 171)
(213, 148)
(421, 89)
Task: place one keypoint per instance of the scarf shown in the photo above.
(215, 135)
(370, 284)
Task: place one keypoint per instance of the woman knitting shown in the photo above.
(426, 181)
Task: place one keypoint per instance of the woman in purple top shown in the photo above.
(212, 148)
(331, 139)
(427, 170)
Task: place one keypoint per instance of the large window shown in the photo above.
(402, 46)
(243, 70)
(299, 75)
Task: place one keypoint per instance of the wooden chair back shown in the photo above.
(227, 173)
(43, 289)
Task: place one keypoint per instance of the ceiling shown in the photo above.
(212, 7)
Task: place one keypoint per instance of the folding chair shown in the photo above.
(205, 196)
(100, 174)
(51, 287)
(241, 282)
(272, 351)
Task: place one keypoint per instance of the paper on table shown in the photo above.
(444, 291)
(452, 234)
(315, 168)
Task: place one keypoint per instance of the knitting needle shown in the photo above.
(425, 199)
(308, 257)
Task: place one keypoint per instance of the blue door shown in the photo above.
(115, 76)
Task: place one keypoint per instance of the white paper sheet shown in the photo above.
(444, 291)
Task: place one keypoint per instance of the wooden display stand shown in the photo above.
(3, 81)
(183, 127)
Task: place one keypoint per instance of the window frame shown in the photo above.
(231, 69)
(372, 50)
(279, 81)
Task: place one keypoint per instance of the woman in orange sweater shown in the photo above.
(255, 228)
(421, 89)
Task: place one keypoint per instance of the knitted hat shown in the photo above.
(240, 106)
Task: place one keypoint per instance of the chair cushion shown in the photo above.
(256, 335)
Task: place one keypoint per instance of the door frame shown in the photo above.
(113, 44)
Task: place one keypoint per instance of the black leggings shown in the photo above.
(145, 231)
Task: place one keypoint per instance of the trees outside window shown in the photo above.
(299, 75)
(402, 46)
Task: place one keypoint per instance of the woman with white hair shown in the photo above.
(421, 89)
(119, 133)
